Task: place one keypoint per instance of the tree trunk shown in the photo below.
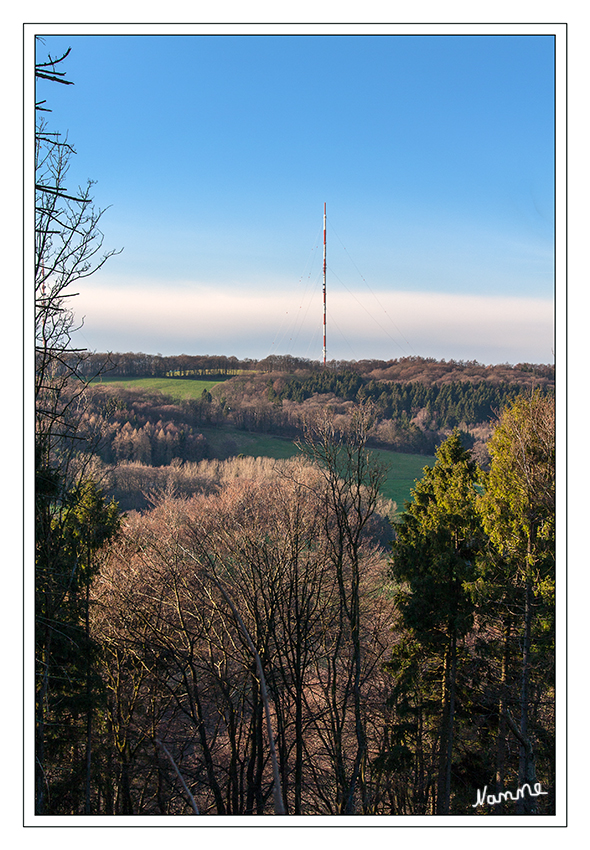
(87, 803)
(125, 785)
(450, 736)
(213, 784)
(253, 741)
(443, 795)
(40, 782)
(502, 725)
(526, 769)
(358, 714)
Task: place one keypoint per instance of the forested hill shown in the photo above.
(448, 404)
(416, 401)
(411, 416)
(425, 370)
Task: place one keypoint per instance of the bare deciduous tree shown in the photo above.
(352, 479)
(237, 618)
(67, 248)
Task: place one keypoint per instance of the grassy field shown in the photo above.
(402, 472)
(176, 388)
(402, 469)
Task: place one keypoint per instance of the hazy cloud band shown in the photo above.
(194, 318)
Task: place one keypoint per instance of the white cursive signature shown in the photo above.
(503, 796)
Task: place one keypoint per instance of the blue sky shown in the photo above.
(434, 155)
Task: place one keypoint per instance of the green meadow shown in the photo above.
(402, 469)
(177, 388)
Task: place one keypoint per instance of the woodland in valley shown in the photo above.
(249, 636)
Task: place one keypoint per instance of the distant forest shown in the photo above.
(416, 402)
(143, 437)
(426, 370)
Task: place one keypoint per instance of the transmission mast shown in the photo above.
(324, 283)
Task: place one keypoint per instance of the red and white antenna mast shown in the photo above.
(324, 284)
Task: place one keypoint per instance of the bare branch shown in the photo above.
(277, 792)
(179, 774)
